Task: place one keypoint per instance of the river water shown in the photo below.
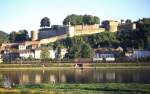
(76, 76)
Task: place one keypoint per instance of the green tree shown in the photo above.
(3, 37)
(12, 37)
(45, 54)
(45, 22)
(74, 52)
(21, 36)
(86, 51)
(81, 19)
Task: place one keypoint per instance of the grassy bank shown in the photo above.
(101, 88)
(71, 65)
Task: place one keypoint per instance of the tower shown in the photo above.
(70, 31)
(34, 35)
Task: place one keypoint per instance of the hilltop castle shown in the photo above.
(43, 36)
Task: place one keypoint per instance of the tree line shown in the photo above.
(81, 19)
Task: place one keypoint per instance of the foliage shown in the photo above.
(45, 22)
(81, 19)
(20, 36)
(86, 51)
(45, 54)
(131, 88)
(3, 37)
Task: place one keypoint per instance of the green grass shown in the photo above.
(71, 65)
(111, 87)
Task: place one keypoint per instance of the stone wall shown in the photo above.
(50, 32)
(87, 29)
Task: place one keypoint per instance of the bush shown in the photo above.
(25, 92)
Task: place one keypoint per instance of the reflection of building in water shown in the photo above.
(24, 78)
(104, 76)
(98, 76)
(110, 76)
(38, 78)
(79, 71)
(136, 77)
(63, 78)
(52, 78)
(7, 83)
(119, 77)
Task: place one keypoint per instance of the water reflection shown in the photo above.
(76, 76)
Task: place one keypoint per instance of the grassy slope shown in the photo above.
(112, 88)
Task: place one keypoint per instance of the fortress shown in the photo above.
(43, 36)
(57, 32)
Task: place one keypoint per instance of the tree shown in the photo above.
(45, 22)
(12, 37)
(45, 54)
(81, 19)
(86, 51)
(74, 52)
(21, 36)
(3, 37)
(128, 21)
(122, 21)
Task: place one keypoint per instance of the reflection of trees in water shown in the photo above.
(104, 76)
(76, 76)
(83, 75)
(110, 76)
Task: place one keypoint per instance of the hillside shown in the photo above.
(3, 37)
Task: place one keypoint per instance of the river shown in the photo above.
(76, 76)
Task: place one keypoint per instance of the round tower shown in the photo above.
(70, 30)
(34, 35)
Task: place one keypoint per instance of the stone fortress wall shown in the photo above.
(67, 31)
(87, 29)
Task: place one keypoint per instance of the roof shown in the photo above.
(105, 51)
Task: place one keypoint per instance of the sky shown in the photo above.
(26, 14)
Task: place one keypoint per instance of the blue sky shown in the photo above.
(26, 14)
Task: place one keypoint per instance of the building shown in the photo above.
(37, 53)
(103, 55)
(141, 54)
(110, 25)
(31, 53)
(1, 59)
(126, 26)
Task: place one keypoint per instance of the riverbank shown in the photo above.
(99, 88)
(48, 66)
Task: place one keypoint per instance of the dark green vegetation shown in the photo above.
(81, 19)
(3, 37)
(101, 88)
(20, 36)
(45, 22)
(139, 38)
(44, 53)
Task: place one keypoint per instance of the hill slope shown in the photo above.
(3, 37)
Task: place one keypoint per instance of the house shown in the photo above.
(26, 54)
(1, 59)
(37, 53)
(105, 55)
(141, 54)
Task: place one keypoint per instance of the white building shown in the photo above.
(22, 47)
(38, 53)
(1, 59)
(104, 55)
(141, 54)
(26, 53)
